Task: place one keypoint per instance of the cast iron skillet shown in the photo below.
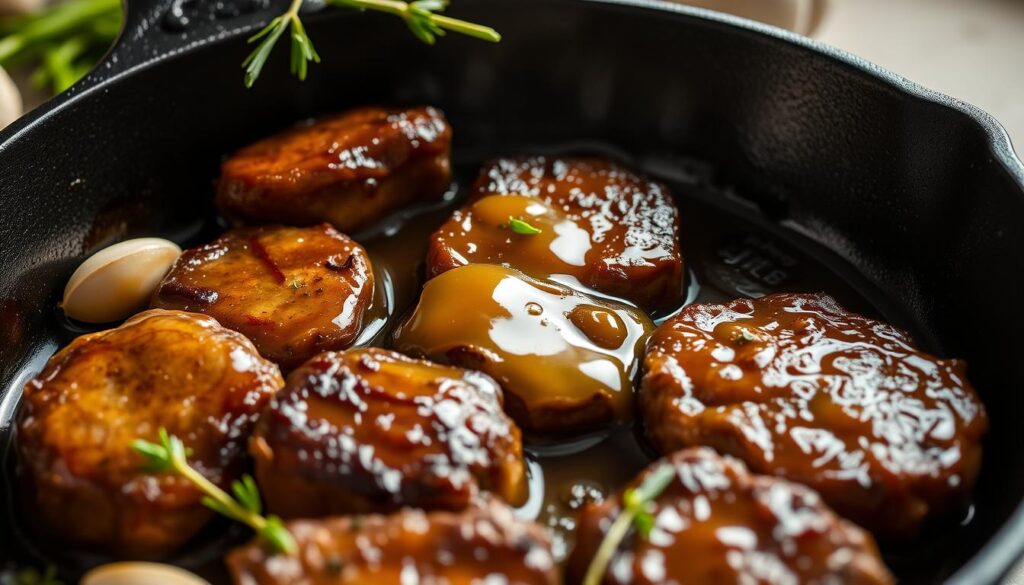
(918, 197)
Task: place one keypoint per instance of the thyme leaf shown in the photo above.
(521, 227)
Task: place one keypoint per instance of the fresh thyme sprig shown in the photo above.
(636, 512)
(521, 227)
(170, 455)
(420, 16)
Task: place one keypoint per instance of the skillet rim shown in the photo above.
(129, 56)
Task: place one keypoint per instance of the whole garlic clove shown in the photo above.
(117, 281)
(137, 573)
(11, 105)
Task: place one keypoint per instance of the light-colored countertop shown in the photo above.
(970, 49)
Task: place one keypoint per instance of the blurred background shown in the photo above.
(970, 49)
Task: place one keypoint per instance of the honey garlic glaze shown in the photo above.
(371, 430)
(796, 386)
(482, 545)
(293, 291)
(602, 227)
(566, 361)
(717, 523)
(730, 252)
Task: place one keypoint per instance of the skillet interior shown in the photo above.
(912, 197)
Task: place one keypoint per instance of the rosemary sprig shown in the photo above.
(420, 16)
(302, 47)
(521, 227)
(636, 512)
(170, 455)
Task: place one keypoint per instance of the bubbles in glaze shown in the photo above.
(716, 523)
(797, 386)
(373, 430)
(566, 361)
(601, 226)
(484, 545)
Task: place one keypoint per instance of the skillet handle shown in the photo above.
(158, 29)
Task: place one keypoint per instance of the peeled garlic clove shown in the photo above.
(119, 280)
(11, 106)
(135, 573)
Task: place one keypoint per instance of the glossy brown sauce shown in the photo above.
(730, 251)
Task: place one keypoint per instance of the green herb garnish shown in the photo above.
(170, 455)
(33, 576)
(521, 227)
(420, 16)
(636, 512)
(742, 336)
(63, 41)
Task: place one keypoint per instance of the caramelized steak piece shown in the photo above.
(565, 360)
(79, 416)
(481, 545)
(602, 227)
(293, 291)
(717, 523)
(794, 385)
(349, 169)
(371, 430)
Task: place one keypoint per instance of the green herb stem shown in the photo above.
(636, 512)
(419, 16)
(171, 455)
(212, 491)
(603, 557)
(423, 10)
(484, 33)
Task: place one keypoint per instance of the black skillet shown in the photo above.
(917, 200)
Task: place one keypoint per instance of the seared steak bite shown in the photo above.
(371, 430)
(349, 169)
(600, 226)
(483, 544)
(293, 291)
(717, 523)
(796, 386)
(79, 417)
(565, 360)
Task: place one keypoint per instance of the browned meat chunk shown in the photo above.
(79, 416)
(349, 169)
(293, 291)
(372, 430)
(484, 544)
(565, 360)
(717, 523)
(601, 227)
(795, 385)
